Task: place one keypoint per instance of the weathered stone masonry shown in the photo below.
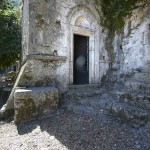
(48, 51)
(132, 48)
(49, 27)
(47, 55)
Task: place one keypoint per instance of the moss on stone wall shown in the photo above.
(114, 11)
(112, 17)
(26, 111)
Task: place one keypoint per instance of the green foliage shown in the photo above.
(114, 11)
(112, 15)
(10, 33)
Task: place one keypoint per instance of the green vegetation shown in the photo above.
(114, 11)
(10, 33)
(112, 15)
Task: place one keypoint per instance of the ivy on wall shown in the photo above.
(114, 11)
(112, 16)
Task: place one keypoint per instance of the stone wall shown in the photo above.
(48, 31)
(50, 26)
(40, 72)
(132, 48)
(48, 49)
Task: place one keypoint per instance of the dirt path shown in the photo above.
(68, 131)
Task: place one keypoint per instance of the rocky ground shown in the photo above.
(64, 130)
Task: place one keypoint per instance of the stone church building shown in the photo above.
(64, 44)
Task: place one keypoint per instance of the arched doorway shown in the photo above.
(84, 50)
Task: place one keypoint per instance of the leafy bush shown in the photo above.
(10, 33)
(114, 11)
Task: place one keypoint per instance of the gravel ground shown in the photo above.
(67, 131)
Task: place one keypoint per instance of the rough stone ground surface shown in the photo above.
(64, 130)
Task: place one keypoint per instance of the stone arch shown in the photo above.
(78, 9)
(83, 12)
(83, 21)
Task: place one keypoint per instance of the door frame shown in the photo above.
(90, 34)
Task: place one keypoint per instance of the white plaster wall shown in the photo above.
(136, 40)
(50, 29)
(69, 13)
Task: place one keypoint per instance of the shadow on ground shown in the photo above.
(3, 97)
(84, 133)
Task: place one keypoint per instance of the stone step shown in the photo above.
(86, 110)
(100, 105)
(84, 86)
(142, 76)
(138, 86)
(85, 106)
(80, 93)
(141, 100)
(97, 101)
(147, 67)
(132, 115)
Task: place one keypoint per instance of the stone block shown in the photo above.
(133, 116)
(32, 102)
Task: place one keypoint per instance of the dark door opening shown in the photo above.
(81, 59)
